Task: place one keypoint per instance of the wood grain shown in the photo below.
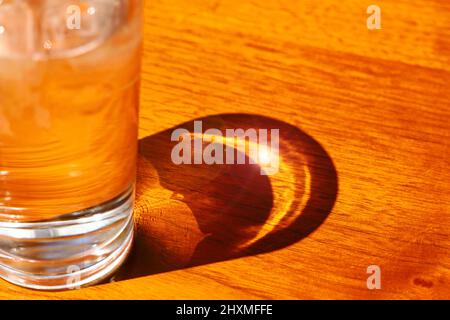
(371, 106)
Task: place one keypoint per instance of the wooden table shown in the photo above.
(364, 153)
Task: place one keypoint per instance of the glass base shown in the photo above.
(77, 250)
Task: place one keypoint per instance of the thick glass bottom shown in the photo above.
(77, 250)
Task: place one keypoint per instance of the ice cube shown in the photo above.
(75, 27)
(16, 29)
(57, 28)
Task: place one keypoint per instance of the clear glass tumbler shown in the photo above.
(69, 94)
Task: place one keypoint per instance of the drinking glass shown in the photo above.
(69, 93)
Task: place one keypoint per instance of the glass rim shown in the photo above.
(37, 53)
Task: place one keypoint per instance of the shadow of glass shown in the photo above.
(189, 215)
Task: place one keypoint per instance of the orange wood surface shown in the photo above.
(364, 153)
